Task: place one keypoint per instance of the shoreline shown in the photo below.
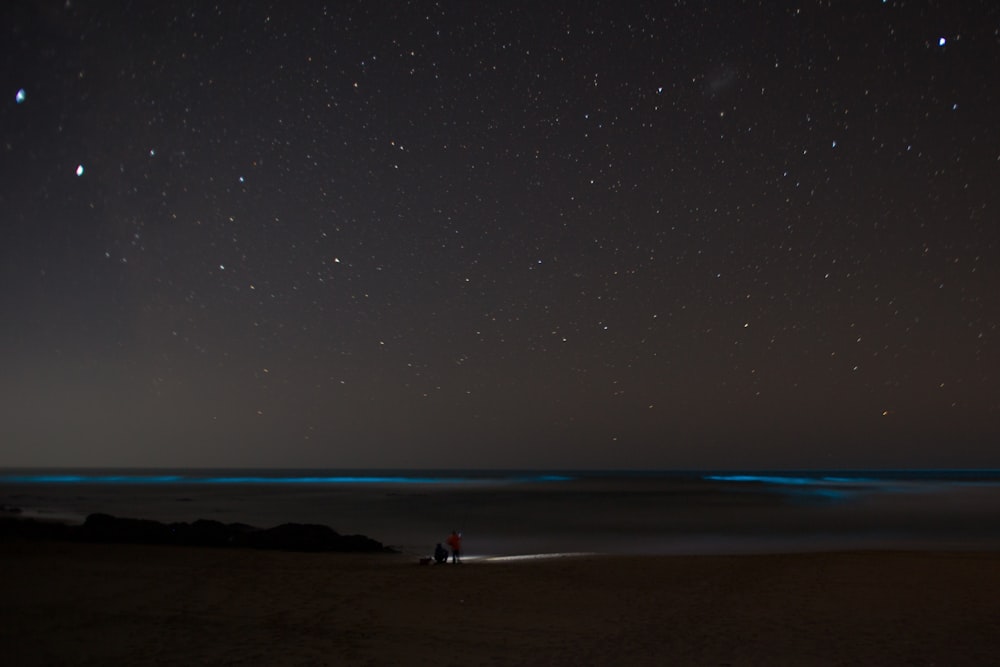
(17, 523)
(503, 514)
(139, 604)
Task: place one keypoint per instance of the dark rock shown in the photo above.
(312, 537)
(361, 544)
(107, 528)
(207, 533)
(203, 532)
(296, 537)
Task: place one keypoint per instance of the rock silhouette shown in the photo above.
(121, 530)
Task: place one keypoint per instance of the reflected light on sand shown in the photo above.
(530, 557)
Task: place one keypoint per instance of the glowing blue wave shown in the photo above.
(264, 479)
(91, 479)
(820, 487)
(794, 481)
(840, 486)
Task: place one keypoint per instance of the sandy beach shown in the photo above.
(87, 604)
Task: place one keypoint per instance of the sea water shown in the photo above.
(507, 513)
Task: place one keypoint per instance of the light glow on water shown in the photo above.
(269, 480)
(90, 479)
(831, 488)
(765, 479)
(334, 480)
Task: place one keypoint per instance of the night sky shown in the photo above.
(462, 234)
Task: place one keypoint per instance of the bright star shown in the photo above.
(21, 96)
(79, 170)
(941, 41)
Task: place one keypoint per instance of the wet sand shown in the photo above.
(87, 604)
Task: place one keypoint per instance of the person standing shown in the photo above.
(455, 543)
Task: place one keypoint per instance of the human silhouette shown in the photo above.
(455, 542)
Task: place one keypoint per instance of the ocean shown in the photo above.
(510, 513)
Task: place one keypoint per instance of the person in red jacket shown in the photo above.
(455, 542)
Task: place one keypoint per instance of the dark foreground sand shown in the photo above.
(133, 605)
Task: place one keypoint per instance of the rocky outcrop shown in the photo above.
(107, 528)
(207, 533)
(110, 529)
(311, 537)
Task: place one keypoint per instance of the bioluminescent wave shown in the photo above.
(820, 487)
(269, 480)
(765, 479)
(91, 479)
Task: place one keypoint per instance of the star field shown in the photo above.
(460, 235)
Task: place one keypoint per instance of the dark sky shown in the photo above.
(463, 234)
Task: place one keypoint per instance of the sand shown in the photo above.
(84, 604)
